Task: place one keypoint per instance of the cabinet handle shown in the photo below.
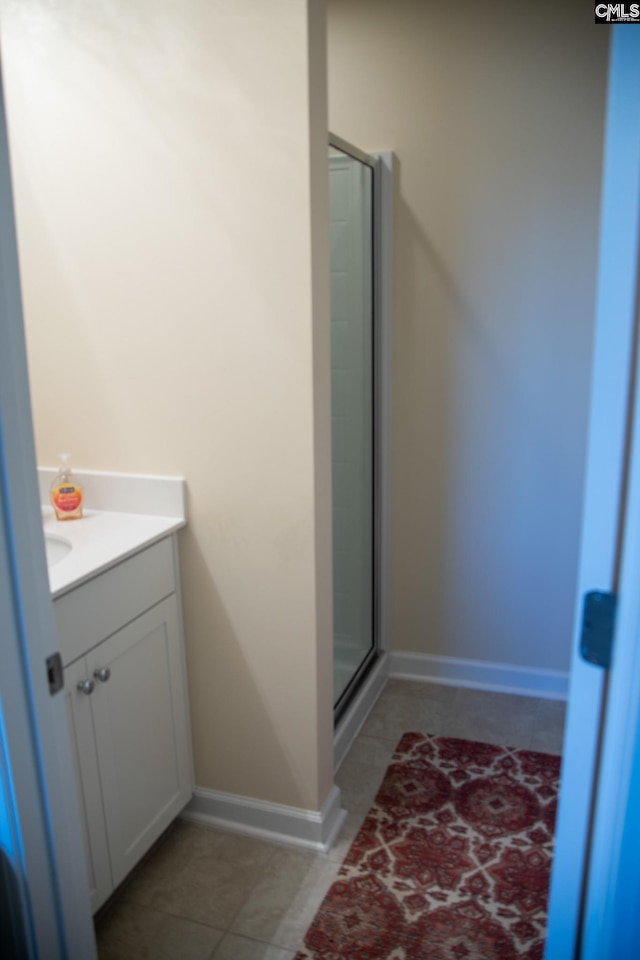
(86, 686)
(102, 675)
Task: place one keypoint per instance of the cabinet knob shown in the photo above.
(86, 686)
(102, 675)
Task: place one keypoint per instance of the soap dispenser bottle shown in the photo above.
(66, 494)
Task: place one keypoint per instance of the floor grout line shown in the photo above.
(251, 892)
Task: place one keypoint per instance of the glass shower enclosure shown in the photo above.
(353, 401)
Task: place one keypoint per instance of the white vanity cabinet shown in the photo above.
(121, 644)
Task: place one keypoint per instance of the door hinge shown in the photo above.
(598, 626)
(55, 673)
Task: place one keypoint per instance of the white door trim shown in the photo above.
(605, 477)
(611, 916)
(48, 813)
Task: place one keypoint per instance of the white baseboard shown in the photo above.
(480, 675)
(311, 829)
(358, 711)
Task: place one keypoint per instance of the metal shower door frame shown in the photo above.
(374, 668)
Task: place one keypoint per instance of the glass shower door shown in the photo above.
(352, 373)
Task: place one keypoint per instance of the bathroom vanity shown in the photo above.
(118, 616)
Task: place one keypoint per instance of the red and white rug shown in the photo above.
(452, 862)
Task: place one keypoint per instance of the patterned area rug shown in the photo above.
(452, 862)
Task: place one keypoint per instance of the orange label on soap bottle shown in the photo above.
(66, 497)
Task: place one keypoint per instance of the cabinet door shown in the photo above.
(141, 732)
(85, 763)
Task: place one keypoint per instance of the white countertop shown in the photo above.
(99, 540)
(134, 511)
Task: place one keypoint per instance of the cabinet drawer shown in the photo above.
(99, 607)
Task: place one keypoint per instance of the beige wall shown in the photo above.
(165, 163)
(495, 113)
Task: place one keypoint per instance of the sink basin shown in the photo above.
(57, 548)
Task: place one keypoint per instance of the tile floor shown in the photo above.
(202, 894)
